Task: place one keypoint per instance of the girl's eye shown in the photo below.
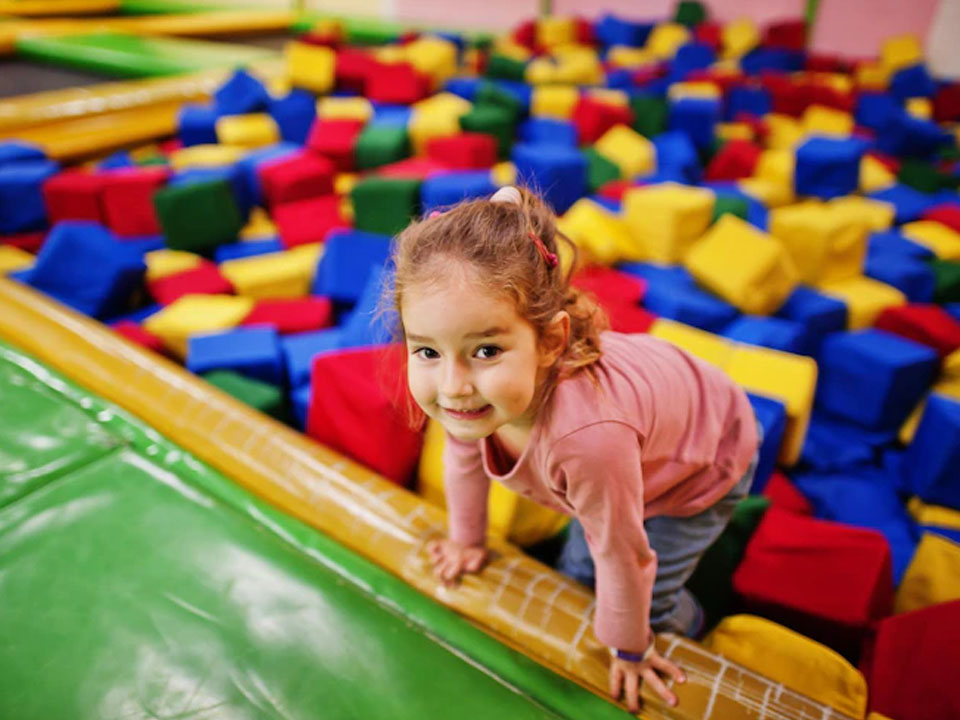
(488, 352)
(426, 353)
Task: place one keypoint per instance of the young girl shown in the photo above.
(648, 448)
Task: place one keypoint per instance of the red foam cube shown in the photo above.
(789, 97)
(295, 315)
(204, 279)
(352, 69)
(397, 84)
(784, 494)
(136, 333)
(74, 195)
(416, 168)
(464, 151)
(736, 159)
(308, 221)
(928, 325)
(593, 118)
(31, 242)
(946, 103)
(128, 200)
(296, 177)
(360, 406)
(786, 34)
(619, 295)
(947, 214)
(709, 33)
(336, 140)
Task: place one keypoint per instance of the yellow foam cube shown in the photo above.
(734, 131)
(825, 245)
(772, 193)
(666, 218)
(509, 515)
(666, 39)
(900, 51)
(694, 90)
(554, 101)
(628, 150)
(433, 56)
(865, 299)
(286, 274)
(163, 262)
(783, 131)
(599, 232)
(344, 108)
(205, 156)
(875, 214)
(312, 67)
(739, 37)
(821, 120)
(248, 131)
(610, 96)
(796, 661)
(872, 76)
(625, 56)
(506, 46)
(196, 314)
(874, 175)
(920, 107)
(789, 378)
(933, 514)
(744, 266)
(777, 166)
(258, 226)
(504, 173)
(438, 116)
(932, 577)
(700, 343)
(554, 30)
(13, 259)
(569, 66)
(343, 183)
(444, 103)
(944, 241)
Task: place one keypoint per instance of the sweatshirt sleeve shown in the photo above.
(466, 487)
(600, 466)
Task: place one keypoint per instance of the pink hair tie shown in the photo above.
(548, 257)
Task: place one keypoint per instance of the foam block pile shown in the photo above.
(790, 217)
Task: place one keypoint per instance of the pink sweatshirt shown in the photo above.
(663, 434)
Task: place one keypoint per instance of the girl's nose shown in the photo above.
(456, 381)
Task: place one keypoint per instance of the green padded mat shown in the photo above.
(133, 56)
(137, 582)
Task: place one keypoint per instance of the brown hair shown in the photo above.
(494, 238)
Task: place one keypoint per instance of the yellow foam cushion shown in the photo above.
(920, 107)
(610, 96)
(506, 46)
(600, 233)
(666, 218)
(789, 378)
(865, 299)
(900, 51)
(444, 103)
(554, 101)
(734, 131)
(504, 173)
(776, 166)
(343, 183)
(625, 56)
(258, 226)
(666, 39)
(694, 90)
(822, 120)
(577, 66)
(874, 175)
(163, 262)
(310, 66)
(433, 56)
(872, 76)
(783, 131)
(932, 577)
(704, 345)
(772, 193)
(555, 30)
(792, 659)
(744, 266)
(203, 156)
(196, 314)
(424, 126)
(286, 274)
(826, 243)
(627, 149)
(344, 108)
(944, 241)
(875, 214)
(509, 515)
(739, 37)
(248, 131)
(13, 259)
(933, 514)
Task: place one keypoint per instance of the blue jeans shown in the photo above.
(679, 543)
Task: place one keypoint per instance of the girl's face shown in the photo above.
(473, 363)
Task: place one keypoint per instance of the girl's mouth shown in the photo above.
(468, 414)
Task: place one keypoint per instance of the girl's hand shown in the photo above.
(451, 559)
(629, 675)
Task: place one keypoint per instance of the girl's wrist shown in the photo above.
(635, 656)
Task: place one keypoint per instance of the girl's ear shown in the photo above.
(555, 338)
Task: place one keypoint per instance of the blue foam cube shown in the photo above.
(347, 260)
(253, 352)
(17, 151)
(874, 109)
(774, 59)
(82, 265)
(294, 114)
(139, 315)
(696, 117)
(558, 173)
(913, 81)
(913, 278)
(465, 87)
(197, 125)
(832, 444)
(906, 135)
(772, 416)
(22, 206)
(611, 30)
(828, 167)
(117, 160)
(932, 464)
(748, 99)
(771, 332)
(241, 94)
(892, 243)
(677, 154)
(909, 204)
(367, 324)
(519, 89)
(691, 56)
(250, 164)
(445, 189)
(874, 378)
(548, 131)
(386, 115)
(300, 400)
(250, 248)
(819, 315)
(690, 305)
(299, 350)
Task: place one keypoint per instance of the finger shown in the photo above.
(474, 562)
(669, 668)
(633, 691)
(433, 548)
(650, 675)
(451, 570)
(616, 680)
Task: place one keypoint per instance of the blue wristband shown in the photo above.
(630, 656)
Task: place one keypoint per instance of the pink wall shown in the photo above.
(857, 28)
